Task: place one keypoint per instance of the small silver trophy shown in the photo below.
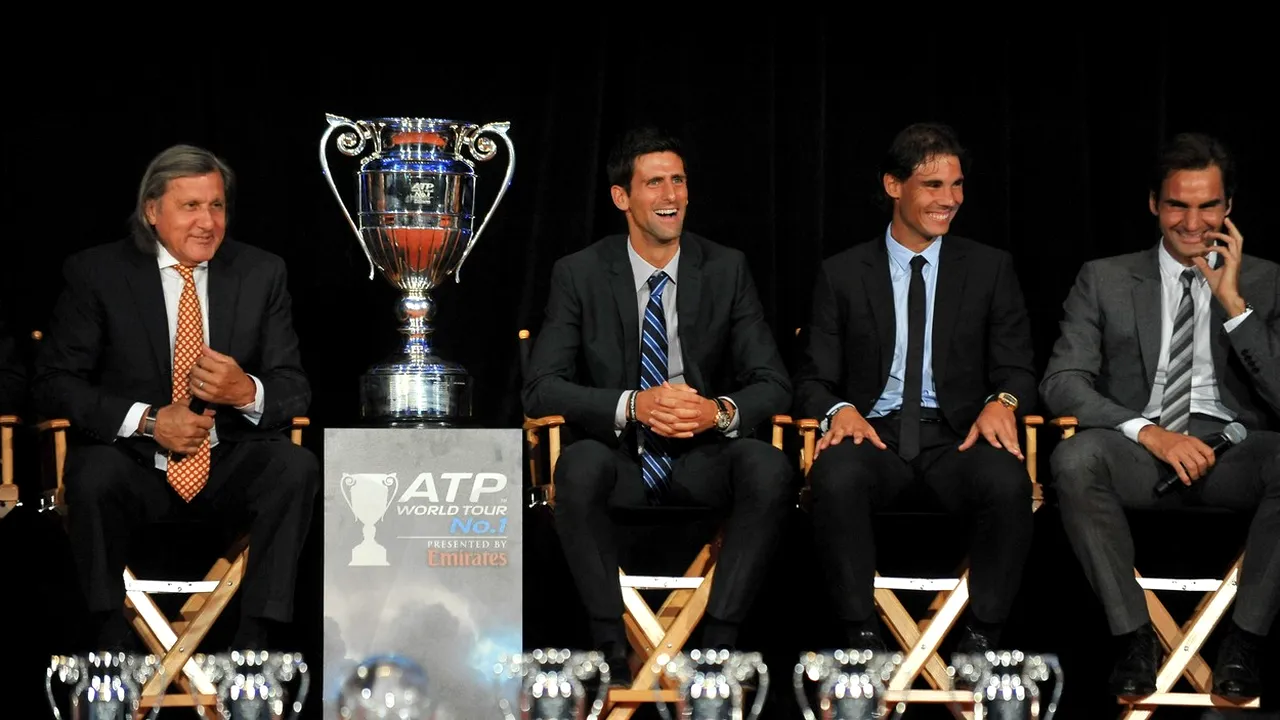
(369, 495)
(385, 687)
(416, 202)
(711, 684)
(251, 684)
(1006, 683)
(553, 685)
(105, 685)
(850, 684)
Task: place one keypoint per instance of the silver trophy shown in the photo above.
(553, 684)
(385, 687)
(105, 685)
(850, 684)
(416, 202)
(251, 684)
(711, 684)
(1006, 683)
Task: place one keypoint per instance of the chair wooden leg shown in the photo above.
(922, 647)
(1185, 647)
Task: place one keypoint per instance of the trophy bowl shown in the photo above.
(415, 221)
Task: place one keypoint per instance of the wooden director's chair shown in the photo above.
(920, 639)
(1182, 642)
(651, 633)
(174, 642)
(8, 489)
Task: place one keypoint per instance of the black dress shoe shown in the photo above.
(619, 672)
(1135, 672)
(1238, 672)
(977, 641)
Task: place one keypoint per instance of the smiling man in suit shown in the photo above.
(1157, 349)
(919, 363)
(655, 349)
(147, 325)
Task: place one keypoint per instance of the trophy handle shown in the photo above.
(601, 669)
(343, 489)
(65, 667)
(394, 483)
(762, 689)
(210, 665)
(139, 676)
(802, 671)
(1052, 662)
(349, 143)
(304, 684)
(482, 148)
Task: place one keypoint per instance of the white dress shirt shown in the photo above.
(641, 271)
(171, 281)
(1205, 398)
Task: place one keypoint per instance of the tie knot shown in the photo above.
(187, 273)
(1187, 276)
(918, 263)
(657, 282)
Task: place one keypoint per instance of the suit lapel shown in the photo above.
(688, 295)
(1146, 311)
(224, 288)
(624, 296)
(148, 297)
(952, 271)
(880, 297)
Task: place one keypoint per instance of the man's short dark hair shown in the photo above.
(914, 145)
(637, 142)
(1193, 151)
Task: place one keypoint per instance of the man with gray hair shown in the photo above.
(174, 356)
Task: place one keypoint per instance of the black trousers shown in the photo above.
(751, 479)
(267, 485)
(849, 483)
(1099, 472)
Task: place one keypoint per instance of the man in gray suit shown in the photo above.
(1157, 349)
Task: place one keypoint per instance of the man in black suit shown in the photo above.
(656, 351)
(144, 328)
(919, 364)
(1158, 349)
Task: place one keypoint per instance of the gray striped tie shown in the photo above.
(1175, 415)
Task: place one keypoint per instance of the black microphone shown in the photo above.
(1219, 442)
(197, 405)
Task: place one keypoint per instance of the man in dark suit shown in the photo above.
(1157, 349)
(919, 364)
(144, 329)
(656, 351)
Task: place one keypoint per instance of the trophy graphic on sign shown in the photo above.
(369, 495)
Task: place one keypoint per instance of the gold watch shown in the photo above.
(1007, 399)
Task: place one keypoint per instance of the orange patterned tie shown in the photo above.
(188, 474)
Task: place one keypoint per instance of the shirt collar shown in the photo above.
(1171, 269)
(901, 256)
(641, 270)
(164, 259)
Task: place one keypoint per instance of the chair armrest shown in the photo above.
(548, 421)
(295, 432)
(1067, 424)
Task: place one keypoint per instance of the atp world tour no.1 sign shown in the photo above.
(423, 555)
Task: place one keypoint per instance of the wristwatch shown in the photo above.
(722, 418)
(1006, 399)
(149, 424)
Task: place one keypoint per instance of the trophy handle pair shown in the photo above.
(482, 148)
(219, 668)
(811, 665)
(69, 669)
(758, 668)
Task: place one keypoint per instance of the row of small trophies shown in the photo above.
(556, 684)
(834, 685)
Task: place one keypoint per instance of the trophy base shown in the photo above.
(431, 392)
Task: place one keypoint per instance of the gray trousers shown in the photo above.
(1100, 472)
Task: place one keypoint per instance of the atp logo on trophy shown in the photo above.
(369, 495)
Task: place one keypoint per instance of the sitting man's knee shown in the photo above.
(95, 471)
(1077, 461)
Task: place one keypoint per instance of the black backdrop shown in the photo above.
(784, 129)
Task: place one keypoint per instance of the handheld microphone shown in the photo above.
(197, 405)
(1219, 442)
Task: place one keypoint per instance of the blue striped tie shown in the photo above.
(655, 457)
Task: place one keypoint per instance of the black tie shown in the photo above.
(909, 435)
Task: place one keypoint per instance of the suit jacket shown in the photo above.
(588, 350)
(13, 372)
(108, 344)
(981, 333)
(1104, 362)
